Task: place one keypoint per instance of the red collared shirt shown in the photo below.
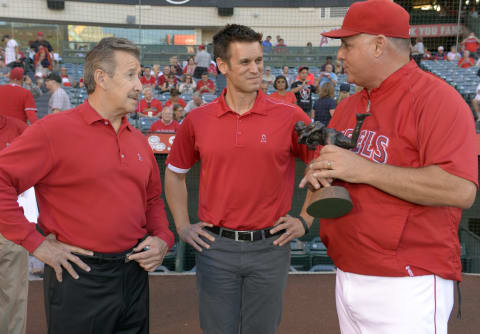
(18, 102)
(96, 189)
(144, 104)
(179, 101)
(173, 126)
(205, 87)
(148, 81)
(10, 128)
(248, 161)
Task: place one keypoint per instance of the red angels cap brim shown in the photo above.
(340, 33)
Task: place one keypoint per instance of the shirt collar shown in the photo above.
(91, 116)
(258, 106)
(393, 79)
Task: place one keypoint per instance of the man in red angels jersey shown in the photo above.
(166, 123)
(149, 106)
(16, 101)
(148, 78)
(413, 171)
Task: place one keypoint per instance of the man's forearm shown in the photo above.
(176, 195)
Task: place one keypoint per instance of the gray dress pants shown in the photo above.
(240, 286)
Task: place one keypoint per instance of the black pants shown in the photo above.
(111, 298)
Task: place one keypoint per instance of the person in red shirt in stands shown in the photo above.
(310, 80)
(148, 78)
(149, 106)
(166, 123)
(16, 101)
(100, 201)
(65, 79)
(175, 99)
(471, 44)
(281, 93)
(466, 61)
(205, 85)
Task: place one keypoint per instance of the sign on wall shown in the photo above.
(435, 30)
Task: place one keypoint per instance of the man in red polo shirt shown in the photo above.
(13, 258)
(148, 79)
(471, 44)
(397, 251)
(149, 106)
(175, 99)
(99, 195)
(205, 85)
(466, 61)
(166, 123)
(247, 146)
(16, 101)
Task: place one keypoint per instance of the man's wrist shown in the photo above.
(304, 223)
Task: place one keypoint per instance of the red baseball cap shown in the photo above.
(16, 73)
(374, 17)
(39, 33)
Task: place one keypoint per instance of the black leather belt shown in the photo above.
(243, 235)
(99, 258)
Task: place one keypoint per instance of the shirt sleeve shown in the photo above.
(157, 222)
(30, 107)
(183, 154)
(446, 135)
(23, 164)
(300, 150)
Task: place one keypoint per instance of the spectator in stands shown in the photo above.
(290, 77)
(11, 50)
(178, 113)
(264, 87)
(65, 79)
(189, 86)
(466, 61)
(476, 105)
(99, 188)
(281, 47)
(328, 76)
(162, 78)
(304, 90)
(175, 99)
(13, 257)
(16, 101)
(197, 101)
(440, 55)
(282, 93)
(178, 68)
(170, 84)
(324, 107)
(156, 71)
(190, 67)
(148, 78)
(268, 76)
(241, 275)
(343, 93)
(418, 50)
(166, 123)
(396, 277)
(40, 41)
(310, 77)
(59, 100)
(338, 67)
(42, 62)
(202, 59)
(267, 45)
(471, 44)
(34, 88)
(205, 85)
(427, 55)
(328, 61)
(149, 106)
(278, 38)
(212, 69)
(453, 55)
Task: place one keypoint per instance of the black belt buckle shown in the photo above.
(244, 235)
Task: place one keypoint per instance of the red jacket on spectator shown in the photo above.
(466, 62)
(203, 87)
(149, 81)
(180, 101)
(173, 126)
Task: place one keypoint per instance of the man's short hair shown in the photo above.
(402, 44)
(232, 33)
(102, 57)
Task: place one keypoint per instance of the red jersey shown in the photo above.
(466, 63)
(173, 126)
(247, 161)
(155, 104)
(471, 44)
(180, 101)
(203, 87)
(149, 81)
(96, 188)
(18, 102)
(417, 120)
(10, 128)
(289, 97)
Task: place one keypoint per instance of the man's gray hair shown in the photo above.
(402, 44)
(102, 57)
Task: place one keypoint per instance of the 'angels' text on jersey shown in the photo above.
(371, 145)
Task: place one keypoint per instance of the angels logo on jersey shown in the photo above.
(371, 145)
(305, 93)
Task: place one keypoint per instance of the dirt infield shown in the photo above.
(309, 306)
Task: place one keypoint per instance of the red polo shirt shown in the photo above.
(10, 128)
(173, 126)
(95, 188)
(471, 44)
(144, 104)
(18, 102)
(203, 87)
(180, 101)
(248, 161)
(149, 81)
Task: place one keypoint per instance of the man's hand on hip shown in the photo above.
(191, 234)
(57, 255)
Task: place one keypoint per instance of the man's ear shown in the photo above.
(99, 76)
(222, 65)
(380, 44)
